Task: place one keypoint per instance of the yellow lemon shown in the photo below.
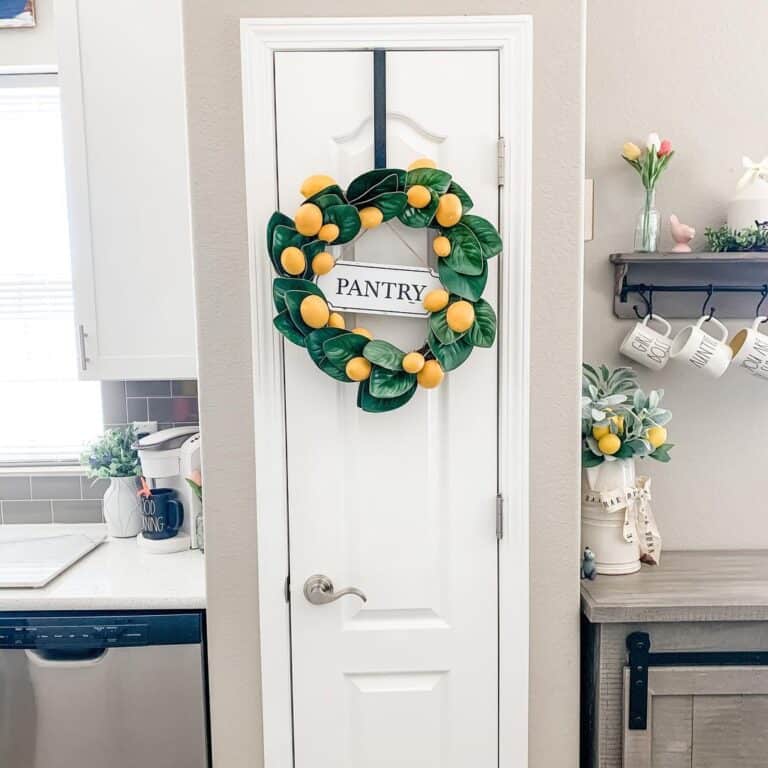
(328, 232)
(363, 332)
(430, 375)
(598, 432)
(309, 219)
(293, 260)
(448, 210)
(314, 311)
(336, 321)
(323, 263)
(313, 184)
(609, 444)
(460, 316)
(422, 162)
(358, 369)
(436, 300)
(413, 362)
(441, 246)
(656, 436)
(419, 196)
(371, 217)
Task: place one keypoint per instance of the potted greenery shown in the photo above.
(113, 456)
(619, 423)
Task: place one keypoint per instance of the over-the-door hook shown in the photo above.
(763, 297)
(710, 291)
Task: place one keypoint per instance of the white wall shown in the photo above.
(695, 72)
(221, 277)
(32, 46)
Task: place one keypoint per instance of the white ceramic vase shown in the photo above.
(602, 530)
(749, 205)
(122, 511)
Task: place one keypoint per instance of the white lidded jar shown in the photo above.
(749, 205)
(603, 526)
(122, 511)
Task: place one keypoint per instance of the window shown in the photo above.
(46, 414)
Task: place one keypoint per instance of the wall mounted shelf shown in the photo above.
(678, 284)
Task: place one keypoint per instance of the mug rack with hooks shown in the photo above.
(734, 285)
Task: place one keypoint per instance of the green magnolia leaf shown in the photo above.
(346, 218)
(436, 180)
(275, 219)
(381, 179)
(310, 251)
(388, 384)
(386, 185)
(466, 286)
(326, 199)
(466, 256)
(293, 301)
(281, 285)
(483, 330)
(420, 217)
(450, 356)
(439, 326)
(342, 348)
(384, 354)
(485, 232)
(372, 404)
(466, 200)
(315, 341)
(333, 189)
(285, 325)
(282, 237)
(391, 204)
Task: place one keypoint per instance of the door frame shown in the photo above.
(512, 36)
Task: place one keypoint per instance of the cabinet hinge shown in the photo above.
(287, 588)
(82, 336)
(499, 516)
(501, 161)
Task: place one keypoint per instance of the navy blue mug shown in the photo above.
(162, 514)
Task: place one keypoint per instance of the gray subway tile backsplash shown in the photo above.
(75, 498)
(37, 511)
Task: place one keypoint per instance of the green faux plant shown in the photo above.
(112, 455)
(750, 239)
(618, 420)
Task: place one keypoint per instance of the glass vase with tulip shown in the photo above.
(649, 163)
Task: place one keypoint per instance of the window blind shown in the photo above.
(46, 414)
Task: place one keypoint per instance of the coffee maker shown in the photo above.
(167, 458)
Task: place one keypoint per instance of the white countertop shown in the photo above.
(117, 575)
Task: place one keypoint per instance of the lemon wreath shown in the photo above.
(460, 319)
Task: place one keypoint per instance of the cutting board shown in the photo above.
(34, 562)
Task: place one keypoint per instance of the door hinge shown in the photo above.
(499, 516)
(82, 336)
(287, 588)
(501, 161)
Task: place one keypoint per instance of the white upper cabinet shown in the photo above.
(124, 120)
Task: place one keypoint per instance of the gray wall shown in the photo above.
(221, 272)
(695, 72)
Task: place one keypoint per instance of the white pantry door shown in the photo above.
(400, 505)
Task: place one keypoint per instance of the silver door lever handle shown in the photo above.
(319, 590)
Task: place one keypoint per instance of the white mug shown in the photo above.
(646, 345)
(750, 350)
(703, 352)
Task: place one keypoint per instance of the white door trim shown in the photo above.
(512, 36)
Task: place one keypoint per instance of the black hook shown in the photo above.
(710, 291)
(648, 301)
(763, 297)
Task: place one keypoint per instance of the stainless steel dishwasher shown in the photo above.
(102, 690)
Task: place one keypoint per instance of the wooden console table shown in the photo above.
(675, 664)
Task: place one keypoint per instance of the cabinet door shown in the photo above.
(124, 121)
(701, 717)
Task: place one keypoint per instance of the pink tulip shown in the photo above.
(665, 148)
(196, 477)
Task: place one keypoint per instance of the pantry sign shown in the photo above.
(378, 289)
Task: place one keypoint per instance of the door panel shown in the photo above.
(400, 504)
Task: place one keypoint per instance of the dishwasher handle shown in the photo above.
(66, 658)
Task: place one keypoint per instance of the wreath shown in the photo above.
(459, 318)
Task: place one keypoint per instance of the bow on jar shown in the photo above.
(753, 171)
